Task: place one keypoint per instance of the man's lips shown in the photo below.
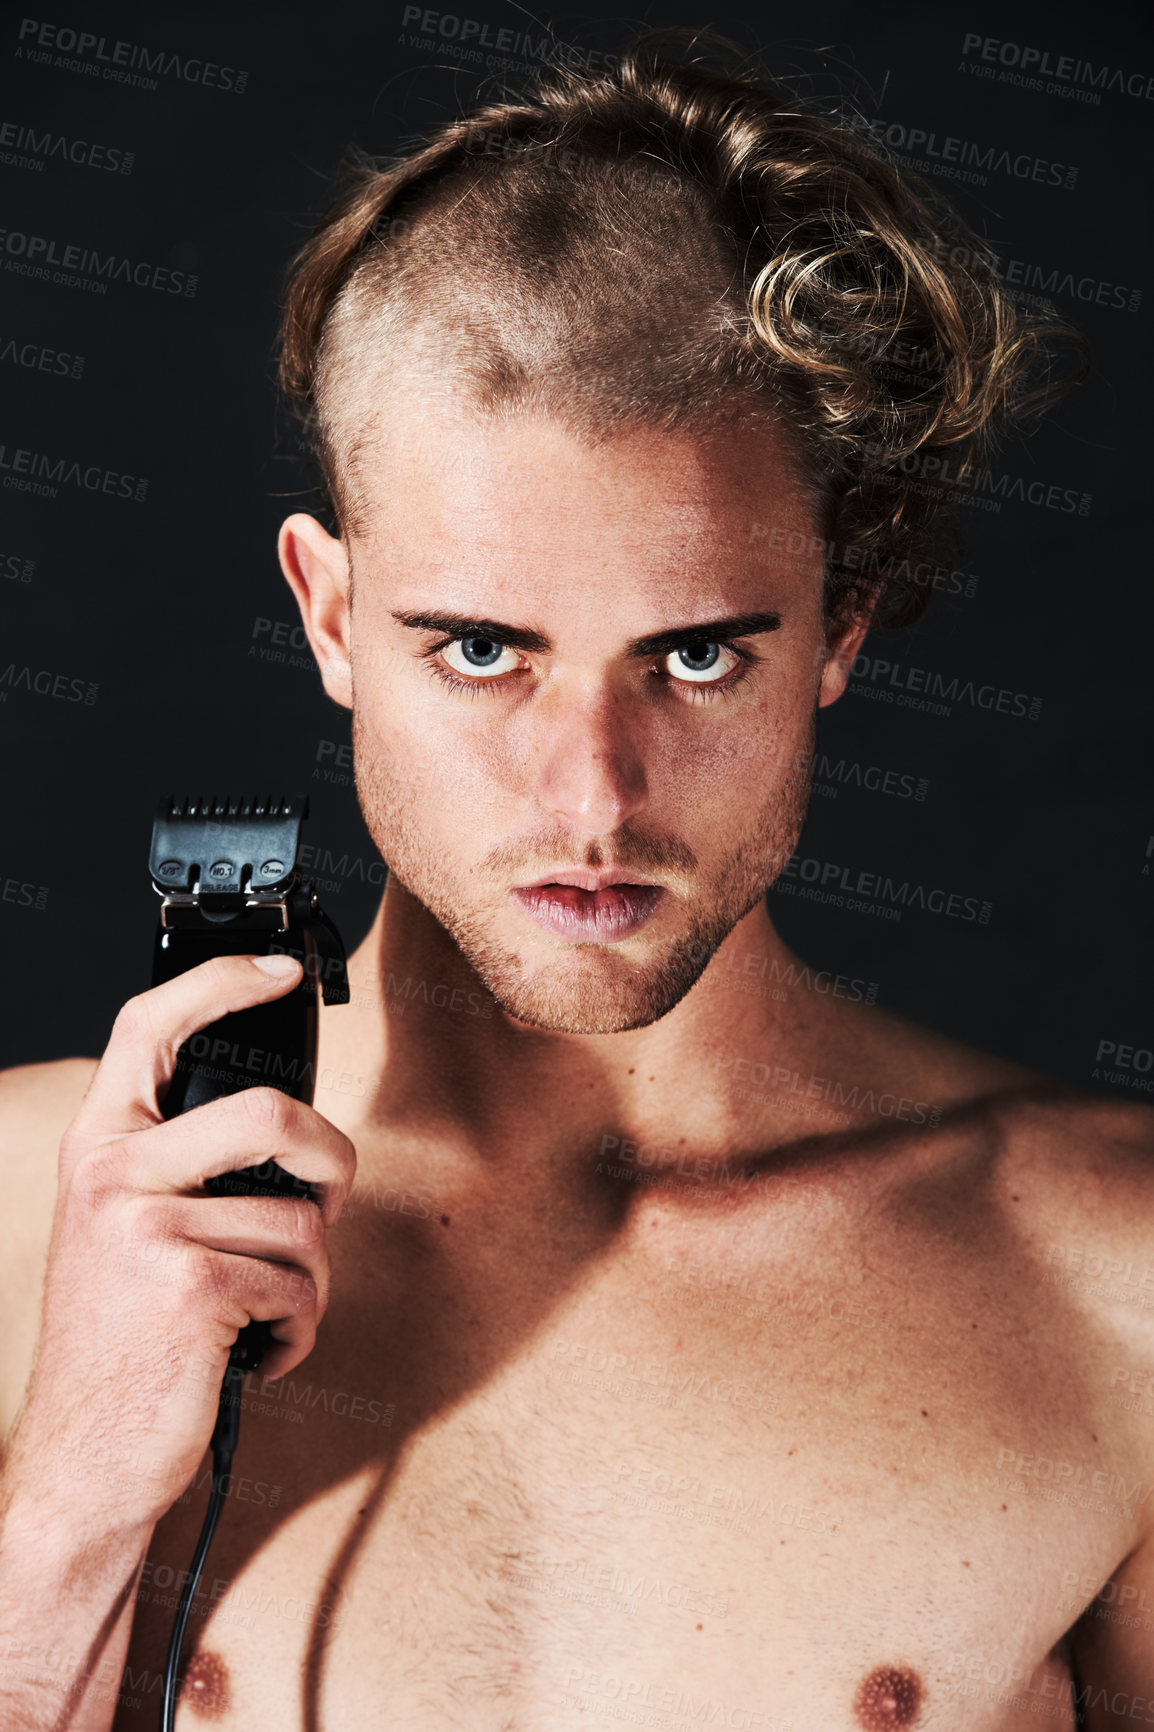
(586, 879)
(601, 912)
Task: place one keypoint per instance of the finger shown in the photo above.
(151, 1240)
(176, 1156)
(140, 1057)
(267, 1251)
(273, 1277)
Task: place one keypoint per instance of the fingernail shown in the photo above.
(276, 964)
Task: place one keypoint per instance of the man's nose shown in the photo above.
(591, 770)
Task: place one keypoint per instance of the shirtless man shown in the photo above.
(641, 1393)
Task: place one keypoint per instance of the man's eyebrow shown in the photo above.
(655, 644)
(520, 637)
(660, 643)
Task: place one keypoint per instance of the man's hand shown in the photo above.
(148, 1282)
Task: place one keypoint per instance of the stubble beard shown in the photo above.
(588, 988)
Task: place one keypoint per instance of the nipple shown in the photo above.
(891, 1696)
(205, 1686)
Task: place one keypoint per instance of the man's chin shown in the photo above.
(561, 1012)
(588, 990)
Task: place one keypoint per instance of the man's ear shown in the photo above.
(845, 639)
(316, 566)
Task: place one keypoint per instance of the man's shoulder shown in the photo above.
(37, 1104)
(1081, 1169)
(953, 1083)
(38, 1096)
(1033, 1114)
(1082, 1134)
(1077, 1167)
(1069, 1174)
(1066, 1186)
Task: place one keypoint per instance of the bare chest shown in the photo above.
(736, 1490)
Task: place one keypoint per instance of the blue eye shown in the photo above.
(699, 656)
(480, 652)
(477, 655)
(700, 661)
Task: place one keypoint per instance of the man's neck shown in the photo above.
(424, 1048)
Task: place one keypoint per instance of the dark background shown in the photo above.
(165, 604)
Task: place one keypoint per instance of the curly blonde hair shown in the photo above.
(668, 244)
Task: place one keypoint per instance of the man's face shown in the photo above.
(545, 703)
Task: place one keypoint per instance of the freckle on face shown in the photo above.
(890, 1697)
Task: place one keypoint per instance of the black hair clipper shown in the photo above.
(227, 871)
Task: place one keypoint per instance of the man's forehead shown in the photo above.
(446, 484)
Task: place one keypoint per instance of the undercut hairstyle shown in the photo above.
(668, 245)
